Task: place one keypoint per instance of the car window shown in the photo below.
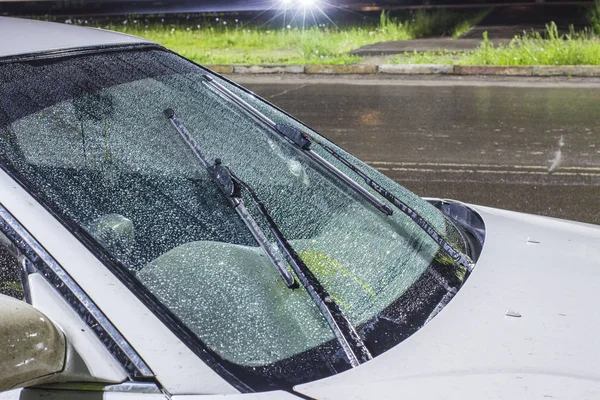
(87, 134)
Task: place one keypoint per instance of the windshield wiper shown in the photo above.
(304, 141)
(231, 186)
(300, 140)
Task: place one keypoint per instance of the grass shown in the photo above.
(215, 40)
(550, 48)
(575, 48)
(593, 16)
(218, 41)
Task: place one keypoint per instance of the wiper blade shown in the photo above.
(231, 186)
(231, 189)
(299, 139)
(304, 141)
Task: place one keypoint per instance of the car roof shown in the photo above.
(30, 36)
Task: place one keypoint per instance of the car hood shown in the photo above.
(526, 324)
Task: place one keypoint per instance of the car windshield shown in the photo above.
(86, 134)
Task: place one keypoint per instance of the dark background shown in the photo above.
(116, 7)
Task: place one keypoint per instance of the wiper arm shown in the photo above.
(304, 141)
(231, 186)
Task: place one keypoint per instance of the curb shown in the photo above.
(256, 69)
(416, 69)
(412, 69)
(492, 70)
(575, 70)
(341, 69)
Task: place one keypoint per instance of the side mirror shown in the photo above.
(31, 346)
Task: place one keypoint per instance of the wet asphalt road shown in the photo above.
(531, 149)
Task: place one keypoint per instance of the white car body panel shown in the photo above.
(99, 363)
(29, 36)
(179, 370)
(545, 269)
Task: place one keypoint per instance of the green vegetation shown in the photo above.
(232, 42)
(222, 42)
(551, 48)
(594, 17)
(579, 48)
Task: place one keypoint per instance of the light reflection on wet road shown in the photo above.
(480, 144)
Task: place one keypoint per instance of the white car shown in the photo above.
(166, 234)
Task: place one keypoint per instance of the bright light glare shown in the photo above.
(300, 11)
(286, 4)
